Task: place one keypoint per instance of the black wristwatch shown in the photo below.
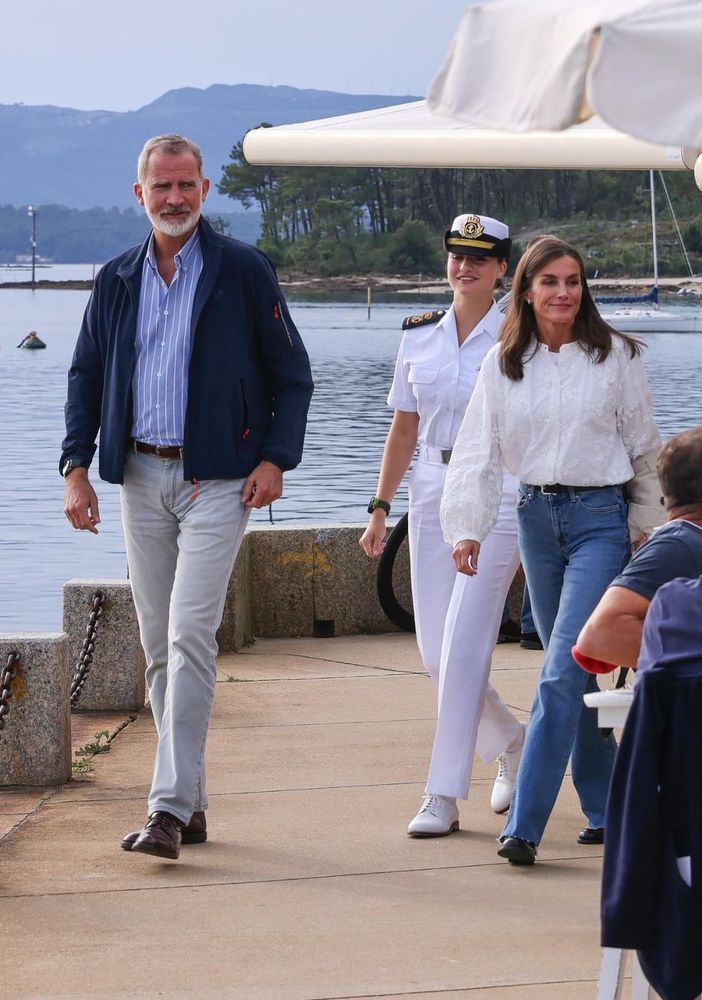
(70, 464)
(376, 502)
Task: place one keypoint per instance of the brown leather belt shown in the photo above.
(160, 450)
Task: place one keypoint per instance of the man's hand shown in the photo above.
(465, 556)
(264, 485)
(80, 502)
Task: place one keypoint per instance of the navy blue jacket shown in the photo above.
(249, 380)
(654, 810)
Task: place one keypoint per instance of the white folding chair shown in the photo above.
(612, 972)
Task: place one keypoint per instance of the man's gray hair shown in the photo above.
(171, 143)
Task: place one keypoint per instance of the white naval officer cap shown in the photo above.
(478, 235)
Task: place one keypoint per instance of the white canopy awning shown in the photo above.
(410, 135)
(548, 64)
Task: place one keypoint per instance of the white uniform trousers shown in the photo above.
(181, 545)
(457, 619)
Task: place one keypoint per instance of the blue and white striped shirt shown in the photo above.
(163, 345)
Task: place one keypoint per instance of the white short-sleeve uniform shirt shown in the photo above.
(435, 376)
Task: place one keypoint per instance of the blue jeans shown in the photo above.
(527, 619)
(572, 546)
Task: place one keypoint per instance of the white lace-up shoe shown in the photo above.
(503, 789)
(437, 817)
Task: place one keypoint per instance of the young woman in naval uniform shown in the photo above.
(456, 617)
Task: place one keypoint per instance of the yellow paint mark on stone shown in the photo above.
(19, 687)
(314, 560)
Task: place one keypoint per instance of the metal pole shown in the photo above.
(31, 210)
(654, 234)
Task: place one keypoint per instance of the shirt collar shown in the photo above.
(184, 255)
(490, 324)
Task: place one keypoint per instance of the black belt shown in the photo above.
(161, 450)
(551, 489)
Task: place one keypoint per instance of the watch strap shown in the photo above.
(376, 502)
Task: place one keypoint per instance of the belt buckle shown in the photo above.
(446, 455)
(547, 492)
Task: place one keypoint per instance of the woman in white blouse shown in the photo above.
(456, 619)
(563, 403)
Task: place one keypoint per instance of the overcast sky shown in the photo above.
(119, 55)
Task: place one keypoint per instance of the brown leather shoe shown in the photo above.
(195, 832)
(160, 837)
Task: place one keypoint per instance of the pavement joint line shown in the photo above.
(26, 816)
(301, 725)
(214, 728)
(282, 880)
(262, 791)
(321, 677)
(327, 659)
(456, 989)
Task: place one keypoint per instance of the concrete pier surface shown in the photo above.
(308, 887)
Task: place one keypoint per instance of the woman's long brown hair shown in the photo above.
(520, 329)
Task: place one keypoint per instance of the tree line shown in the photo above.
(332, 220)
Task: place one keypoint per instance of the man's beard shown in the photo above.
(174, 225)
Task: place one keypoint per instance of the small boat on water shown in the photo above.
(654, 320)
(648, 317)
(32, 342)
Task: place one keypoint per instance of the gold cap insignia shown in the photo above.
(471, 228)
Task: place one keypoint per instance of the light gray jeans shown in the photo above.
(181, 544)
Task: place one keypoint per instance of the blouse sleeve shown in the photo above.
(635, 410)
(401, 396)
(471, 497)
(642, 441)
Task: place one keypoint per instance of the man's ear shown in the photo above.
(138, 193)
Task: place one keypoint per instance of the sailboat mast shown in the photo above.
(653, 231)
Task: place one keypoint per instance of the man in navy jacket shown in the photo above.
(191, 369)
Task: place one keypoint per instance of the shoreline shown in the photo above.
(398, 284)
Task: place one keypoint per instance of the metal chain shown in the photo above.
(86, 654)
(8, 675)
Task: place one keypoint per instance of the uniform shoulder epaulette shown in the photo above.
(421, 319)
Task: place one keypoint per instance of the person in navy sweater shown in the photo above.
(651, 884)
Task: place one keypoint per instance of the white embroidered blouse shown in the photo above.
(572, 422)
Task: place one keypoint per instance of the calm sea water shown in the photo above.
(352, 359)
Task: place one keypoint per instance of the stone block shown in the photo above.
(236, 628)
(35, 745)
(281, 567)
(116, 678)
(316, 580)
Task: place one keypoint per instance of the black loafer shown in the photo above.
(591, 835)
(517, 851)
